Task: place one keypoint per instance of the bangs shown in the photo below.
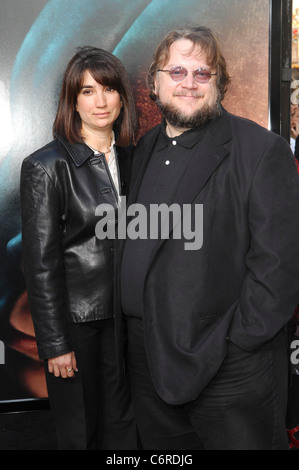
(105, 75)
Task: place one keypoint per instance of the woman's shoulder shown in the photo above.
(47, 154)
(59, 151)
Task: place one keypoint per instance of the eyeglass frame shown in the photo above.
(192, 71)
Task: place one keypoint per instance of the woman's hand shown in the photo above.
(63, 366)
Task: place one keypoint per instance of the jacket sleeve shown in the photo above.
(42, 259)
(271, 287)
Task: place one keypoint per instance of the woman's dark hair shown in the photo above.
(107, 70)
(199, 36)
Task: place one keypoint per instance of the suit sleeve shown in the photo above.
(271, 287)
(42, 259)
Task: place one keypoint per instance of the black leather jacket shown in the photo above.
(68, 271)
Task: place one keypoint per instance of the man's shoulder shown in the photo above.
(149, 135)
(244, 126)
(254, 141)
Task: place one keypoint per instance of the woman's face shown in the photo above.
(98, 106)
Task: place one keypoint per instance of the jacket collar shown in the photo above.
(78, 152)
(188, 139)
(213, 151)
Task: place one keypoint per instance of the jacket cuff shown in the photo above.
(46, 352)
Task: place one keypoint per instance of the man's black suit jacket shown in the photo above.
(243, 283)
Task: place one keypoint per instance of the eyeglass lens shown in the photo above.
(179, 73)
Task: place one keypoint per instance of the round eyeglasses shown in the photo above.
(179, 73)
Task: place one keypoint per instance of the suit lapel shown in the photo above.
(141, 158)
(202, 165)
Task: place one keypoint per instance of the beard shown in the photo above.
(178, 119)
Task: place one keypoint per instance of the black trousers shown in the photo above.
(243, 408)
(91, 411)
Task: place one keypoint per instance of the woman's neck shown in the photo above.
(98, 141)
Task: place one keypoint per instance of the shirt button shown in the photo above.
(167, 162)
(174, 142)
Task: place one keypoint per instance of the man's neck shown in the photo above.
(173, 131)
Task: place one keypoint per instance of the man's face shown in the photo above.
(186, 98)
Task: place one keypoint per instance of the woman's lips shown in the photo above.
(101, 115)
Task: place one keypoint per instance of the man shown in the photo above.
(206, 323)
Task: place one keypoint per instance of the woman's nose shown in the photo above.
(101, 99)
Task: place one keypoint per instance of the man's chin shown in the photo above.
(180, 119)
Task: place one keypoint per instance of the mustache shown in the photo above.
(194, 94)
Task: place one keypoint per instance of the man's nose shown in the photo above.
(189, 81)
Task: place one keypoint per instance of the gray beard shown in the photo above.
(176, 118)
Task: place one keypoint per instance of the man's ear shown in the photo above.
(156, 85)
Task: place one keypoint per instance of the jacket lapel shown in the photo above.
(141, 158)
(211, 153)
(202, 165)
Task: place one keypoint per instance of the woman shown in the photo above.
(68, 271)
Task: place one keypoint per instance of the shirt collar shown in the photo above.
(80, 152)
(188, 139)
(96, 152)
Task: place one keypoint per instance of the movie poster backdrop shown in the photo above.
(37, 39)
